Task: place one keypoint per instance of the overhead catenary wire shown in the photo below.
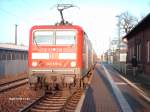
(14, 15)
(30, 7)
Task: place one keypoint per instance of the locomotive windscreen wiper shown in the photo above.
(35, 42)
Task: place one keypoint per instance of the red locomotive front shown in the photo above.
(55, 53)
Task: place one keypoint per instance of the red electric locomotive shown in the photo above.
(58, 54)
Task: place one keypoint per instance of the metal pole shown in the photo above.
(16, 34)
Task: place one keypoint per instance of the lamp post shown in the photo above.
(125, 40)
(119, 40)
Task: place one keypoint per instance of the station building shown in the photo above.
(138, 41)
(13, 59)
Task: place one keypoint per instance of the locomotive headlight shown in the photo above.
(34, 63)
(73, 64)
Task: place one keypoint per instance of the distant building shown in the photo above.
(117, 52)
(13, 59)
(139, 44)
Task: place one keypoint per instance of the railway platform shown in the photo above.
(99, 97)
(110, 93)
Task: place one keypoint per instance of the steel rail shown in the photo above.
(13, 84)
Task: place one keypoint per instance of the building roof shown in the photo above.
(13, 47)
(144, 23)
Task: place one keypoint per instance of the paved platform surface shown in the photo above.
(109, 91)
(99, 96)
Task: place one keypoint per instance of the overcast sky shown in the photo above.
(97, 17)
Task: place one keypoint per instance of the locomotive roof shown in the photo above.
(13, 47)
(57, 27)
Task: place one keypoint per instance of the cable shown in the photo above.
(14, 15)
(30, 6)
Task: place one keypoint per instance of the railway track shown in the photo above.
(13, 84)
(59, 102)
(71, 104)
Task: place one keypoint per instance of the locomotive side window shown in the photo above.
(43, 37)
(65, 37)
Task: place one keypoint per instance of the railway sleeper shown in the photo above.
(72, 104)
(62, 102)
(51, 104)
(55, 97)
(47, 108)
(37, 110)
(70, 108)
(55, 100)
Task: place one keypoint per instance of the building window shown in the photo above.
(0, 56)
(148, 51)
(140, 52)
(133, 51)
(129, 53)
(138, 48)
(13, 56)
(8, 56)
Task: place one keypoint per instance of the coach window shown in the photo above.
(65, 37)
(43, 37)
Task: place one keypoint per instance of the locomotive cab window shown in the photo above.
(62, 37)
(65, 37)
(43, 37)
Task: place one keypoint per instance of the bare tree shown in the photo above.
(126, 22)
